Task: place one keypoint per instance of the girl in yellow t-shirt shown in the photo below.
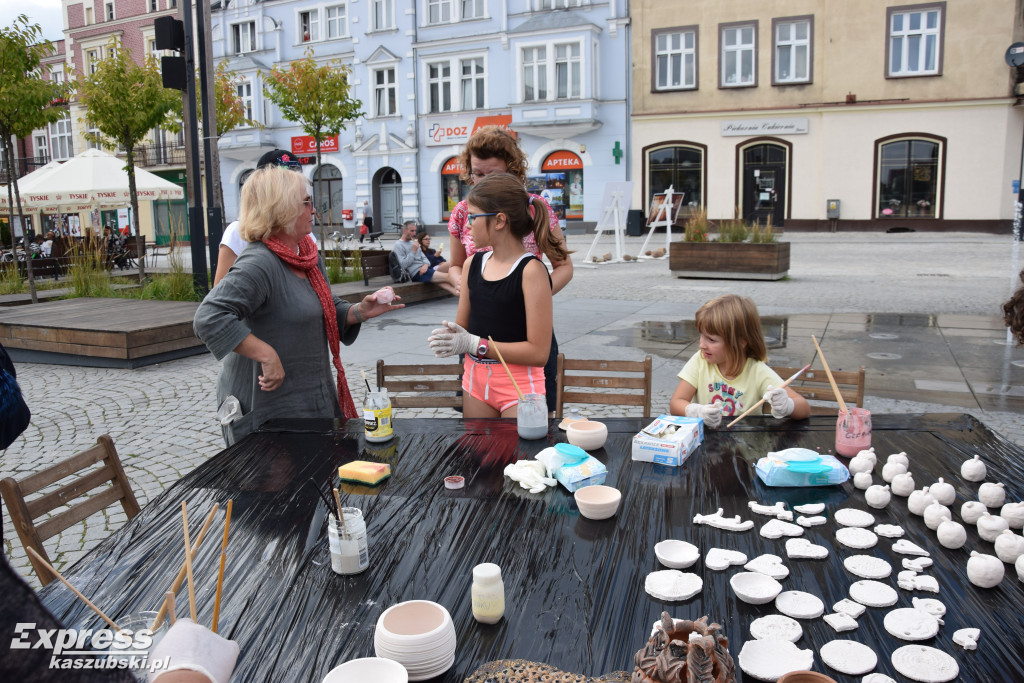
(729, 373)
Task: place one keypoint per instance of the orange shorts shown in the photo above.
(485, 380)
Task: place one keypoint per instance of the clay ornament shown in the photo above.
(1019, 566)
(990, 526)
(973, 469)
(769, 565)
(802, 549)
(857, 538)
(917, 564)
(925, 664)
(992, 495)
(854, 517)
(776, 627)
(848, 657)
(971, 511)
(861, 463)
(868, 453)
(676, 554)
(671, 585)
(930, 605)
(810, 521)
(867, 566)
(877, 496)
(903, 484)
(785, 516)
(799, 605)
(874, 593)
(892, 469)
(840, 622)
(1009, 546)
(776, 528)
(754, 588)
(814, 508)
(951, 534)
(901, 458)
(719, 559)
(769, 660)
(862, 480)
(919, 500)
(944, 493)
(935, 514)
(984, 571)
(912, 581)
(905, 547)
(877, 678)
(695, 641)
(889, 530)
(847, 606)
(769, 510)
(719, 522)
(1013, 513)
(911, 624)
(967, 638)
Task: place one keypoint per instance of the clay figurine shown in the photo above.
(769, 510)
(901, 458)
(868, 453)
(810, 521)
(861, 463)
(919, 500)
(813, 508)
(912, 581)
(1013, 513)
(903, 484)
(973, 469)
(776, 528)
(917, 564)
(697, 643)
(719, 559)
(889, 530)
(944, 492)
(770, 565)
(993, 495)
(862, 480)
(892, 469)
(1009, 546)
(840, 622)
(951, 534)
(984, 571)
(718, 521)
(967, 638)
(935, 514)
(905, 547)
(877, 496)
(1019, 566)
(847, 606)
(802, 549)
(971, 511)
(990, 526)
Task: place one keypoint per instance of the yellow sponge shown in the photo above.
(364, 472)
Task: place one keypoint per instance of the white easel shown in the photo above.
(664, 218)
(612, 214)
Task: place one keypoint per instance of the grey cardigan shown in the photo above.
(262, 296)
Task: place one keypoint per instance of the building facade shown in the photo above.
(817, 115)
(429, 72)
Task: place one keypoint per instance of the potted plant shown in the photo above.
(742, 252)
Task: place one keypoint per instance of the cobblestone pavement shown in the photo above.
(161, 417)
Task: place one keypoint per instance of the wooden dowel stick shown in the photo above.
(169, 595)
(162, 612)
(341, 515)
(493, 346)
(831, 380)
(188, 565)
(220, 572)
(757, 405)
(94, 608)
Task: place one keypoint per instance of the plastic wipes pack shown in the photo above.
(669, 440)
(572, 466)
(801, 467)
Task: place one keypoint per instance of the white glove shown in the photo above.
(195, 648)
(711, 414)
(782, 404)
(531, 475)
(451, 340)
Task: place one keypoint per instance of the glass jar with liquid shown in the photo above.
(350, 553)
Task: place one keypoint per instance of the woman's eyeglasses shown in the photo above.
(308, 201)
(473, 216)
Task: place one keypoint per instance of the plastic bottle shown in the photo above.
(488, 593)
(350, 553)
(377, 416)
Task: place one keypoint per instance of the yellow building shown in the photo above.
(905, 114)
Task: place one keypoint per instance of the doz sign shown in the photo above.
(457, 131)
(305, 144)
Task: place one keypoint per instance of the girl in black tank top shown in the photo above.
(505, 301)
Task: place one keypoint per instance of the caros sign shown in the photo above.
(458, 131)
(306, 144)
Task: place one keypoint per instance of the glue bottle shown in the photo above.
(488, 593)
(377, 416)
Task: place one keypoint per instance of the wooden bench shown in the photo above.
(814, 386)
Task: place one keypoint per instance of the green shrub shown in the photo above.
(732, 230)
(87, 270)
(10, 279)
(696, 226)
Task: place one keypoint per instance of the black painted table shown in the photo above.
(574, 588)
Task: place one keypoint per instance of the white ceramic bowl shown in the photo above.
(419, 635)
(754, 588)
(375, 669)
(598, 502)
(676, 554)
(589, 435)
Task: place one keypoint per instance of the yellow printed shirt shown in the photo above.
(735, 395)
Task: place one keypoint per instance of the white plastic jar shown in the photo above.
(350, 553)
(488, 593)
(377, 416)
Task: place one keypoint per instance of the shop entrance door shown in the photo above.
(764, 184)
(390, 193)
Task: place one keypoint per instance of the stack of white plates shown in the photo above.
(418, 634)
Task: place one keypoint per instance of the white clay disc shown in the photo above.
(925, 664)
(671, 585)
(848, 657)
(889, 530)
(776, 627)
(857, 538)
(874, 593)
(799, 605)
(769, 660)
(854, 517)
(877, 678)
(867, 566)
(908, 623)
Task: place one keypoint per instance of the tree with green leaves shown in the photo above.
(230, 109)
(28, 100)
(315, 96)
(124, 101)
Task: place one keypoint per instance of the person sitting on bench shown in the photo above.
(414, 262)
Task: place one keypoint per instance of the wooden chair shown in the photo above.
(24, 512)
(613, 388)
(814, 385)
(428, 386)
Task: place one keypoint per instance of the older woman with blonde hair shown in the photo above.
(273, 319)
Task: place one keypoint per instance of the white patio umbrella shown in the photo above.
(26, 182)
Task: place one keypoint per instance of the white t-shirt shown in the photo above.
(233, 241)
(735, 395)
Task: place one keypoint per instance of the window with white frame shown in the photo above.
(552, 71)
(88, 16)
(42, 148)
(383, 14)
(675, 59)
(473, 9)
(244, 90)
(94, 142)
(60, 139)
(738, 55)
(109, 12)
(57, 75)
(568, 71)
(439, 11)
(243, 37)
(473, 83)
(558, 4)
(915, 41)
(792, 51)
(153, 5)
(309, 26)
(337, 21)
(535, 74)
(439, 86)
(385, 92)
(92, 59)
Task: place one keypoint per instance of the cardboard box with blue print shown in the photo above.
(669, 440)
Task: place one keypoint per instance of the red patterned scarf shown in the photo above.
(307, 261)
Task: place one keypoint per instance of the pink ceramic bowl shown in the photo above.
(598, 502)
(588, 435)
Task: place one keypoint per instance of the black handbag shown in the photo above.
(14, 412)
